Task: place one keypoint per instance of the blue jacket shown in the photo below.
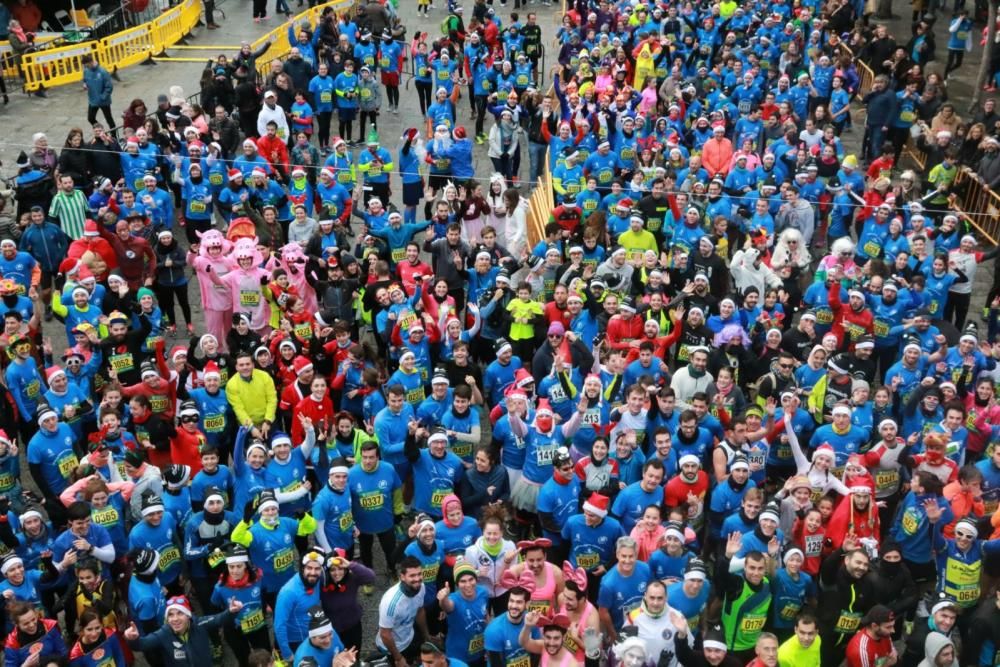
(47, 243)
(291, 617)
(460, 154)
(14, 654)
(99, 86)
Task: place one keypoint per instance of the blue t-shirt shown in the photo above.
(503, 637)
(632, 502)
(690, 607)
(559, 500)
(372, 497)
(619, 594)
(591, 546)
(467, 624)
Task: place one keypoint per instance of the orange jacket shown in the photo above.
(716, 155)
(963, 503)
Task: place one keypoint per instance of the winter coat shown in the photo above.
(177, 653)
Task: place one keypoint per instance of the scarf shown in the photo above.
(492, 550)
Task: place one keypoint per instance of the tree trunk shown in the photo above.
(884, 10)
(984, 65)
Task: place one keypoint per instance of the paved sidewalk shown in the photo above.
(66, 106)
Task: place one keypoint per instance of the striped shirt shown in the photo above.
(71, 211)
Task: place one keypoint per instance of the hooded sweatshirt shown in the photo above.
(933, 645)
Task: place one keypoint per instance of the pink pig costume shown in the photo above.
(245, 286)
(216, 299)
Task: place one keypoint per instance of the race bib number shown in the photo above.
(541, 606)
(303, 331)
(105, 517)
(476, 644)
(6, 482)
(159, 403)
(168, 557)
(881, 328)
(372, 501)
(886, 480)
(252, 621)
(872, 248)
(122, 362)
(284, 559)
(249, 298)
(214, 423)
(910, 521)
(789, 611)
(907, 116)
(197, 207)
(430, 572)
(752, 623)
(66, 464)
(326, 97)
(591, 418)
(438, 496)
(216, 558)
(215, 178)
(847, 622)
(346, 521)
(415, 396)
(824, 315)
(33, 389)
(383, 62)
(462, 450)
(365, 93)
(628, 153)
(398, 254)
(588, 561)
(544, 455)
(343, 176)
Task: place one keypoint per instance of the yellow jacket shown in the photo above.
(254, 400)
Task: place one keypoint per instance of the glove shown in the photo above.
(248, 511)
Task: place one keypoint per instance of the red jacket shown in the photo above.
(318, 411)
(621, 332)
(274, 151)
(185, 449)
(847, 321)
(865, 651)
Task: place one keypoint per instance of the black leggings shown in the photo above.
(259, 9)
(957, 308)
(346, 128)
(392, 94)
(387, 540)
(365, 117)
(955, 58)
(324, 128)
(165, 295)
(424, 93)
(480, 110)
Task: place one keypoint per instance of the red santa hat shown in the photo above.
(522, 378)
(300, 365)
(596, 504)
(90, 229)
(176, 351)
(179, 603)
(211, 370)
(235, 173)
(544, 408)
(53, 372)
(825, 450)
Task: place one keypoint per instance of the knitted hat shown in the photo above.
(151, 503)
(772, 512)
(462, 568)
(145, 560)
(237, 553)
(319, 624)
(266, 499)
(188, 409)
(714, 638)
(177, 476)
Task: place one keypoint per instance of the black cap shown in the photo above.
(878, 614)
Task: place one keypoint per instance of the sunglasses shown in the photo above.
(555, 336)
(189, 420)
(967, 536)
(786, 366)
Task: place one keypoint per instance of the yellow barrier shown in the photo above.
(61, 66)
(55, 67)
(124, 49)
(979, 206)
